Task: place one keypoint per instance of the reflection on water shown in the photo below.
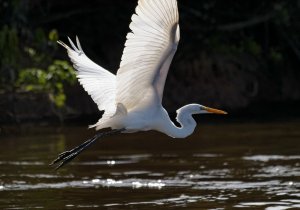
(248, 166)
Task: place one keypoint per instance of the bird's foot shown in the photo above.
(67, 156)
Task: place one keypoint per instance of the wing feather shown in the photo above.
(148, 51)
(99, 83)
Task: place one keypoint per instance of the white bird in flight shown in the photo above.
(132, 99)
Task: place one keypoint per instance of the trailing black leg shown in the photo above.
(68, 156)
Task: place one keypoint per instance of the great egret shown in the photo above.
(132, 99)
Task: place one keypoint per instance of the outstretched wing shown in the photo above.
(148, 52)
(97, 81)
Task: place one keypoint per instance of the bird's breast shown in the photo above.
(141, 120)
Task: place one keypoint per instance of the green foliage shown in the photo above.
(247, 45)
(283, 14)
(31, 67)
(9, 54)
(53, 35)
(27, 55)
(251, 46)
(51, 80)
(275, 55)
(8, 45)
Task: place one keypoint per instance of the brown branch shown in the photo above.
(247, 23)
(234, 26)
(290, 41)
(69, 14)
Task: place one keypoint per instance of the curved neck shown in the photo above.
(187, 123)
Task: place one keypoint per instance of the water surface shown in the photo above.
(234, 166)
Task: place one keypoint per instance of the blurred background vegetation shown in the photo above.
(235, 55)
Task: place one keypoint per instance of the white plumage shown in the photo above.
(132, 98)
(148, 52)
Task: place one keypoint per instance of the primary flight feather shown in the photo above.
(132, 99)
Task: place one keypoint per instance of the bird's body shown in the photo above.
(155, 118)
(132, 99)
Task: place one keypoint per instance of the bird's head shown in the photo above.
(199, 109)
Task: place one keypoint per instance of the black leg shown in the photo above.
(68, 156)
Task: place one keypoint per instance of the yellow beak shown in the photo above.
(214, 111)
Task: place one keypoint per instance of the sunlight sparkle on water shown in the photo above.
(158, 184)
(113, 182)
(111, 162)
(95, 180)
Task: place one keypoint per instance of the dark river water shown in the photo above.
(221, 166)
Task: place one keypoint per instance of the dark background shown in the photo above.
(241, 56)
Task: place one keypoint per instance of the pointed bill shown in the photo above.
(214, 111)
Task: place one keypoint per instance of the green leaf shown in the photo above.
(53, 35)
